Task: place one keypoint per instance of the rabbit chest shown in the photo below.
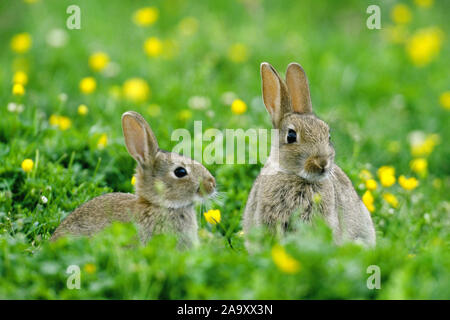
(293, 195)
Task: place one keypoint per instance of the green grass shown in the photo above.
(362, 84)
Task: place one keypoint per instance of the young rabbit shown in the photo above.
(166, 186)
(301, 167)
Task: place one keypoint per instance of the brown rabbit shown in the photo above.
(301, 166)
(166, 186)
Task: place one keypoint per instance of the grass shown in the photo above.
(364, 83)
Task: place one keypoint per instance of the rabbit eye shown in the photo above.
(291, 136)
(180, 172)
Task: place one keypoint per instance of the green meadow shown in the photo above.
(384, 92)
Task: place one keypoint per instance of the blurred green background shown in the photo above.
(385, 93)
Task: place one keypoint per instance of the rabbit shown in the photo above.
(301, 168)
(167, 184)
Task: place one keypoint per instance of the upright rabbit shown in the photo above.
(301, 165)
(166, 186)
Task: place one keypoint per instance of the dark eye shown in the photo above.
(180, 172)
(291, 136)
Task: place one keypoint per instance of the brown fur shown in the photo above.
(163, 203)
(296, 172)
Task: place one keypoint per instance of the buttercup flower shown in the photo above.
(422, 145)
(371, 184)
(284, 261)
(368, 201)
(391, 199)
(238, 52)
(88, 85)
(27, 165)
(238, 107)
(146, 16)
(419, 166)
(401, 14)
(184, 115)
(102, 141)
(408, 183)
(20, 77)
(64, 123)
(153, 47)
(424, 3)
(21, 42)
(444, 99)
(136, 89)
(98, 61)
(424, 46)
(18, 89)
(212, 216)
(82, 110)
(90, 268)
(133, 180)
(386, 174)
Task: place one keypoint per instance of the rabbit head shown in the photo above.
(304, 147)
(163, 178)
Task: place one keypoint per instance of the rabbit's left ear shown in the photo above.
(275, 94)
(298, 88)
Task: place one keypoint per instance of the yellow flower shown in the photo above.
(212, 216)
(82, 110)
(391, 199)
(238, 106)
(408, 183)
(64, 123)
(424, 3)
(424, 147)
(317, 198)
(21, 42)
(368, 201)
(146, 16)
(386, 174)
(133, 180)
(20, 77)
(444, 99)
(419, 166)
(18, 89)
(27, 165)
(90, 268)
(54, 120)
(153, 47)
(188, 26)
(88, 85)
(238, 52)
(98, 61)
(284, 261)
(365, 175)
(184, 115)
(424, 46)
(371, 184)
(102, 141)
(136, 89)
(401, 14)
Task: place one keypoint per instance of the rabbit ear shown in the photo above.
(275, 94)
(298, 88)
(139, 138)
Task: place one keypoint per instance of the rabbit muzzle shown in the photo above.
(207, 186)
(317, 166)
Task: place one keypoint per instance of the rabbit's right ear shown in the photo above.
(139, 138)
(275, 94)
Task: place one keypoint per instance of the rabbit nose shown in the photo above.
(209, 184)
(318, 165)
